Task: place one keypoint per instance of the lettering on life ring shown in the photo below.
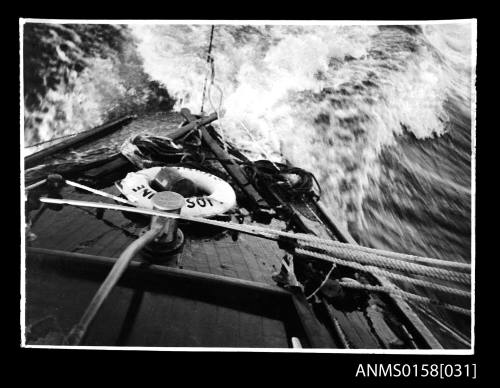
(221, 196)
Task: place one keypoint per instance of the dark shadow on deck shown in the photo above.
(161, 306)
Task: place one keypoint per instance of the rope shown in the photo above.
(420, 282)
(347, 254)
(39, 183)
(388, 254)
(252, 230)
(348, 257)
(322, 283)
(211, 71)
(320, 243)
(351, 249)
(265, 173)
(380, 261)
(101, 205)
(78, 332)
(99, 192)
(343, 251)
(364, 268)
(314, 239)
(406, 295)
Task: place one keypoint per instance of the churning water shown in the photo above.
(380, 114)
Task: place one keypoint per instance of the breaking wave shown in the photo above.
(340, 101)
(380, 114)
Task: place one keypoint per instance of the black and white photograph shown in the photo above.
(248, 185)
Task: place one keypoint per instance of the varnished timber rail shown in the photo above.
(194, 123)
(77, 140)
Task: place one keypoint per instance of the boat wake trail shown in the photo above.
(356, 105)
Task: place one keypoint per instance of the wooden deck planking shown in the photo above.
(228, 256)
(50, 291)
(251, 258)
(351, 334)
(211, 261)
(108, 323)
(274, 333)
(162, 319)
(197, 262)
(102, 246)
(49, 218)
(119, 245)
(64, 219)
(95, 232)
(174, 321)
(256, 261)
(364, 330)
(250, 264)
(227, 324)
(192, 321)
(251, 272)
(219, 261)
(267, 257)
(356, 329)
(92, 231)
(251, 333)
(78, 229)
(205, 325)
(152, 314)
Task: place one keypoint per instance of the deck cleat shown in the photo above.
(171, 240)
(53, 187)
(54, 183)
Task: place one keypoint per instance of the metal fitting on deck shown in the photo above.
(171, 239)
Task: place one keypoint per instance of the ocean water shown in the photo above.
(380, 114)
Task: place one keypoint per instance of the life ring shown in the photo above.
(221, 196)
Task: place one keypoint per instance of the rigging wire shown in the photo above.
(209, 61)
(444, 275)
